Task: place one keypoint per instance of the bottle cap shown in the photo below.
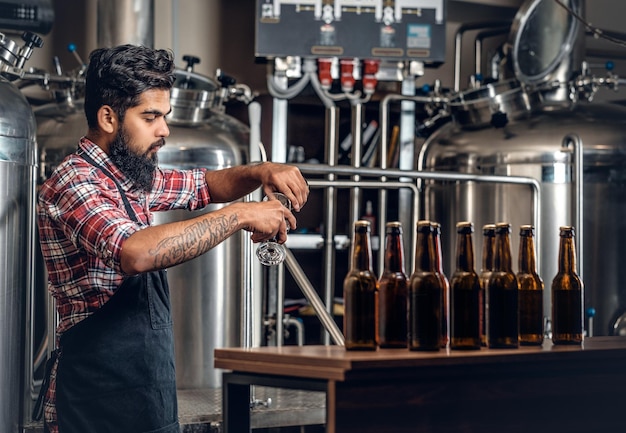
(464, 227)
(489, 229)
(393, 226)
(424, 226)
(362, 226)
(503, 227)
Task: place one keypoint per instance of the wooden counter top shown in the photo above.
(334, 362)
(546, 389)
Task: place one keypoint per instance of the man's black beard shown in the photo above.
(139, 168)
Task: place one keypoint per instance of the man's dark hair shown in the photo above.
(118, 76)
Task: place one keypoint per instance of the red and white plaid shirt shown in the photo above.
(83, 224)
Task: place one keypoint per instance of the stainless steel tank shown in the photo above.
(532, 118)
(17, 191)
(533, 147)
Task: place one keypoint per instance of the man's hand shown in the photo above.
(267, 220)
(286, 179)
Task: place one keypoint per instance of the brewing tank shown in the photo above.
(541, 125)
(17, 191)
(534, 147)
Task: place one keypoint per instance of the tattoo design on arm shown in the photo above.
(196, 240)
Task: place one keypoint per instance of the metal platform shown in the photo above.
(200, 410)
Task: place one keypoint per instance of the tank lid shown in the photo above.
(542, 35)
(192, 97)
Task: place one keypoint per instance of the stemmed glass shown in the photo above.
(270, 252)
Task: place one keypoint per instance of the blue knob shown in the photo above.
(591, 312)
(479, 77)
(71, 47)
(609, 65)
(426, 88)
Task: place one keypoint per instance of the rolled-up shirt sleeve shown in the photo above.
(92, 216)
(179, 189)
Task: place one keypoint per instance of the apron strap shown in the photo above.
(129, 208)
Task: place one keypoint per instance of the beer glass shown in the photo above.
(270, 252)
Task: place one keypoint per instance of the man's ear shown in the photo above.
(107, 119)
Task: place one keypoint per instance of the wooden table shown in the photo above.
(564, 389)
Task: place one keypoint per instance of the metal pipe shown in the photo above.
(357, 155)
(330, 210)
(292, 321)
(311, 295)
(478, 45)
(280, 304)
(432, 175)
(246, 304)
(576, 142)
(29, 381)
(384, 145)
(458, 39)
(406, 160)
(251, 329)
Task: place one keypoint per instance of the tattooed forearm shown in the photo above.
(197, 239)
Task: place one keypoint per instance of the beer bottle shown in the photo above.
(464, 293)
(360, 288)
(502, 293)
(445, 284)
(530, 291)
(425, 293)
(567, 294)
(393, 291)
(489, 247)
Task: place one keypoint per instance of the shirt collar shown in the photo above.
(103, 159)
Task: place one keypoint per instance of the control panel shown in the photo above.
(381, 29)
(32, 15)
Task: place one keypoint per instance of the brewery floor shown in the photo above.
(200, 411)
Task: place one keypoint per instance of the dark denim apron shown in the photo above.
(116, 367)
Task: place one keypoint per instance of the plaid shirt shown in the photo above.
(83, 225)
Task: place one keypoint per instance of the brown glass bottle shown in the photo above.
(567, 294)
(502, 293)
(530, 291)
(465, 293)
(445, 284)
(393, 287)
(425, 293)
(360, 295)
(489, 248)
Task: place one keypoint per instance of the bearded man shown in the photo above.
(113, 370)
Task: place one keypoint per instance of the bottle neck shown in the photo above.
(361, 252)
(567, 256)
(438, 254)
(502, 258)
(527, 262)
(465, 252)
(425, 254)
(488, 253)
(394, 253)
